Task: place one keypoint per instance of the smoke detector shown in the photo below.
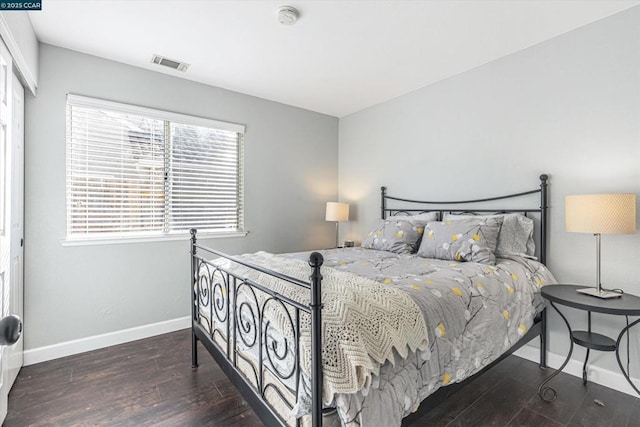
(288, 15)
(171, 63)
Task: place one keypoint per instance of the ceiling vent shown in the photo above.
(171, 63)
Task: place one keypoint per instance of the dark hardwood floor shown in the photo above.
(150, 383)
(143, 383)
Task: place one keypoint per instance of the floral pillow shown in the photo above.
(399, 236)
(516, 233)
(463, 240)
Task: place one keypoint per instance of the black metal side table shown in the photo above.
(567, 295)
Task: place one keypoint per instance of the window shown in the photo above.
(136, 172)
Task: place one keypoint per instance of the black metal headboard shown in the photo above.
(445, 206)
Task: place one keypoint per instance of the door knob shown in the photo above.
(10, 330)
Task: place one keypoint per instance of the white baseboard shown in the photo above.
(55, 351)
(605, 377)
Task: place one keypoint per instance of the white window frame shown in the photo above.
(167, 116)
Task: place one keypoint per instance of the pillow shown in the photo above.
(516, 234)
(399, 236)
(423, 216)
(464, 240)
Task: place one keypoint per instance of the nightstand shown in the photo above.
(567, 295)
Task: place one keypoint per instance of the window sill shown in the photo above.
(94, 241)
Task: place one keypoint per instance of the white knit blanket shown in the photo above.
(363, 321)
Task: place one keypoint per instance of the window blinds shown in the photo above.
(137, 171)
(204, 184)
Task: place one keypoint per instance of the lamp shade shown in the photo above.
(337, 211)
(601, 213)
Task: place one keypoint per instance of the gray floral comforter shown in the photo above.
(474, 313)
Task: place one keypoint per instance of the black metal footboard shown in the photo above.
(228, 317)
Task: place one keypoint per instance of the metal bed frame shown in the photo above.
(214, 295)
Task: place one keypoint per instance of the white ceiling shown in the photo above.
(339, 58)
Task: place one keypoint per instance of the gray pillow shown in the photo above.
(399, 236)
(424, 216)
(463, 240)
(516, 234)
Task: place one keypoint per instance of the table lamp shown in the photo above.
(337, 212)
(600, 214)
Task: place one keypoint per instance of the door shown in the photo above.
(17, 224)
(6, 163)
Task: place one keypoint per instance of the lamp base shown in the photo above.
(594, 292)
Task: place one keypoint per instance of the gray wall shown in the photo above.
(75, 292)
(569, 107)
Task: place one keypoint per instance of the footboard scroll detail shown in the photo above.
(232, 317)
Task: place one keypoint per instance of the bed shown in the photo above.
(361, 336)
